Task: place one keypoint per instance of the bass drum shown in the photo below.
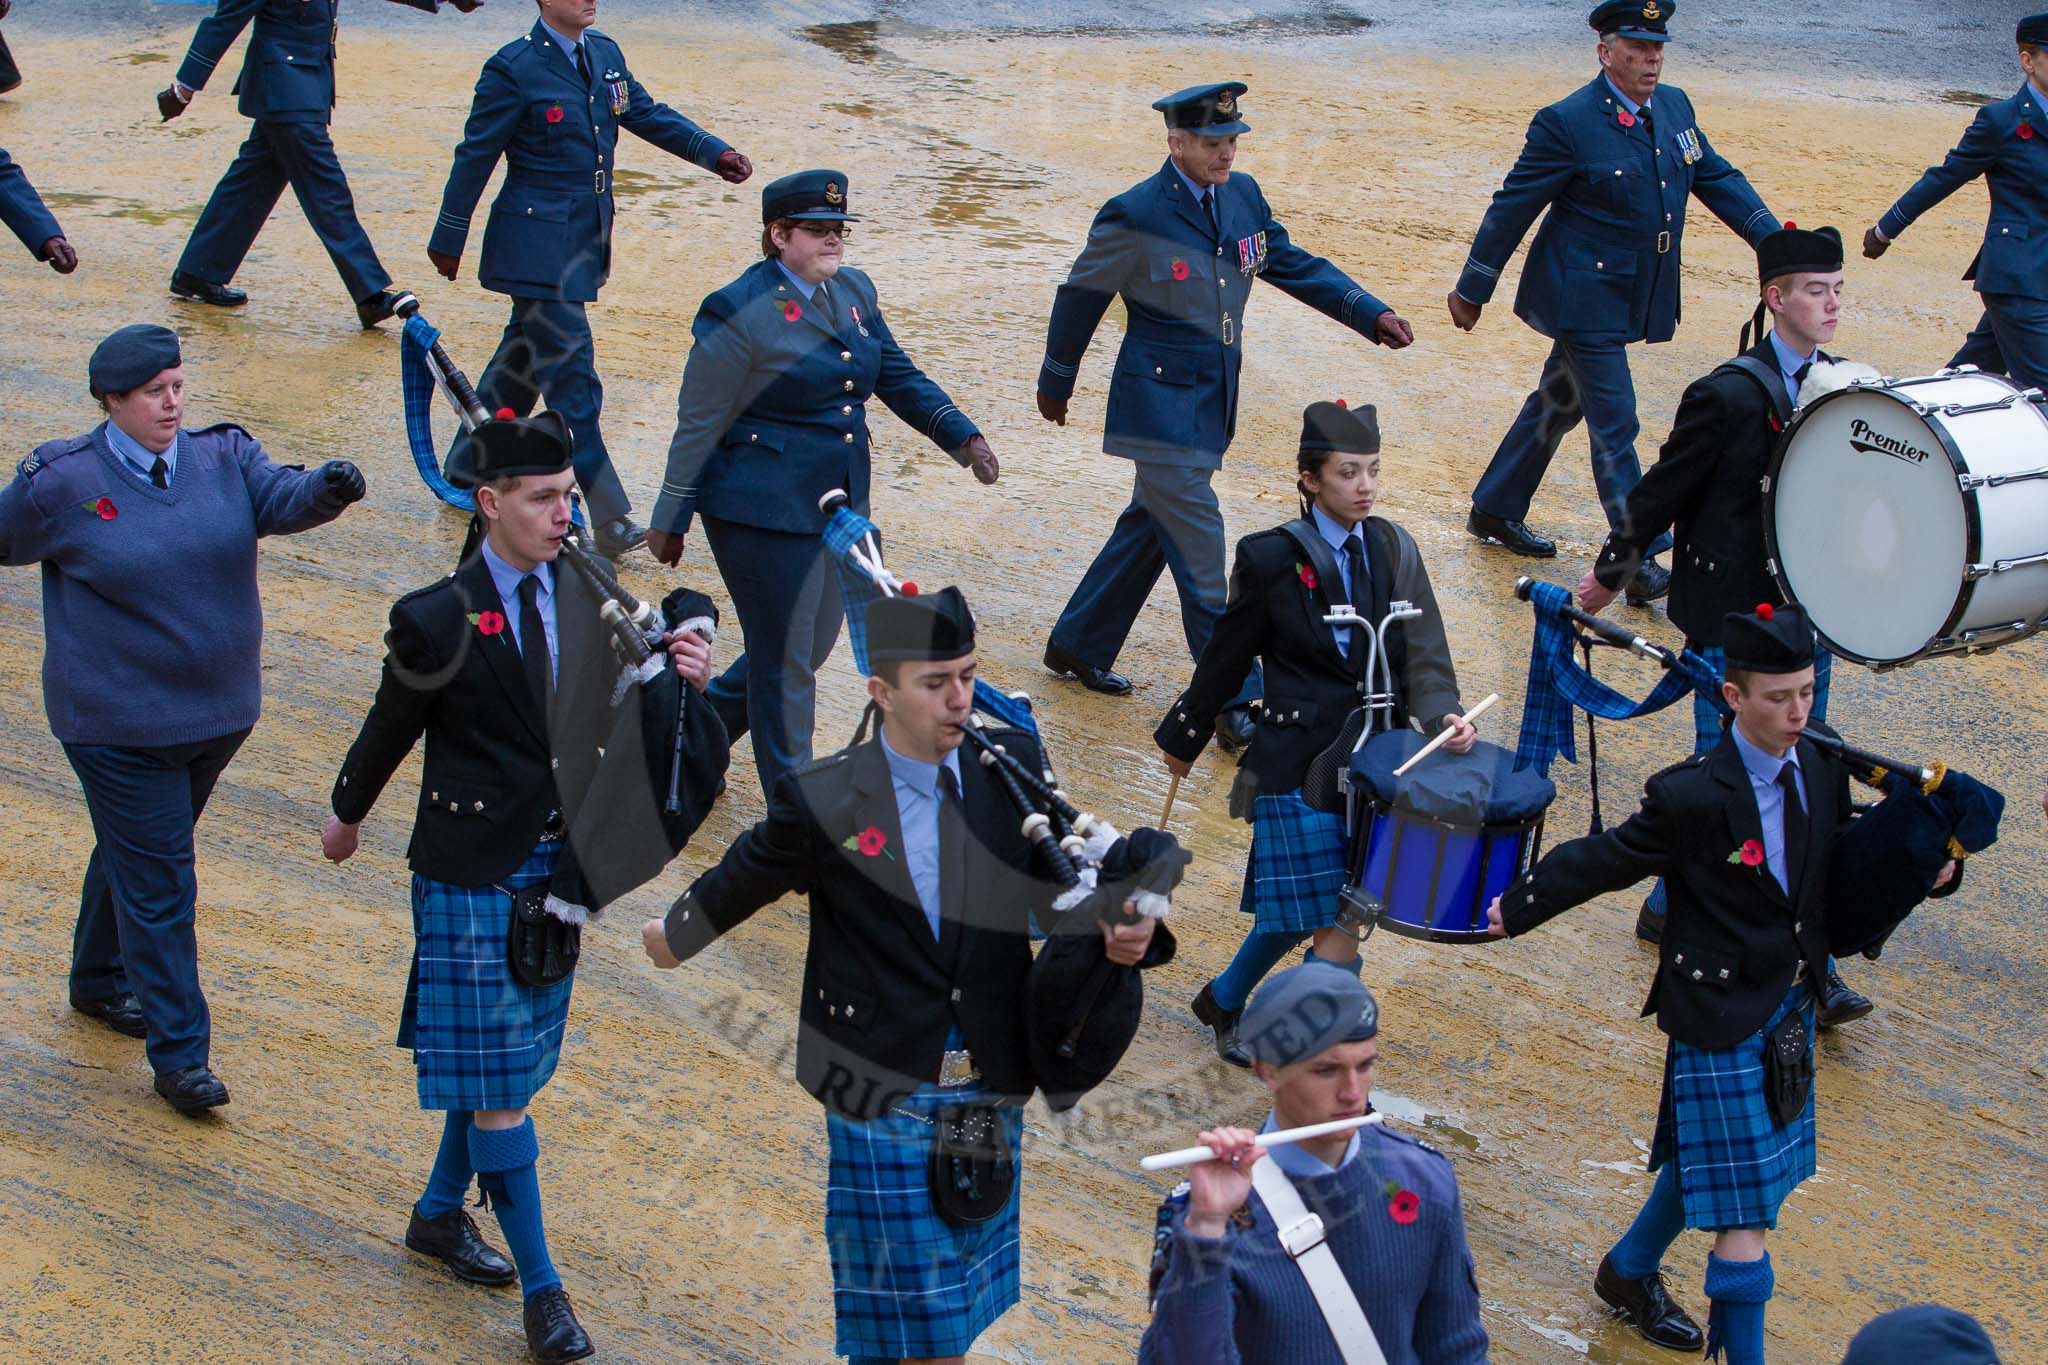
(1910, 516)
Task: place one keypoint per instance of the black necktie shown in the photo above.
(1794, 825)
(160, 473)
(952, 854)
(1209, 206)
(583, 63)
(1649, 124)
(533, 643)
(1361, 590)
(824, 302)
(1799, 377)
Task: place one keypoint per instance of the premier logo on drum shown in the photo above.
(1866, 440)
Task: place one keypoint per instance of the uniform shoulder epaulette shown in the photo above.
(419, 592)
(1411, 1140)
(39, 459)
(1689, 761)
(221, 426)
(831, 760)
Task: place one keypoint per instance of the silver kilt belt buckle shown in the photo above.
(957, 1068)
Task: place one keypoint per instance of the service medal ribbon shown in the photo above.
(619, 97)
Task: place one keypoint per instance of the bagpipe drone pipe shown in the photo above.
(1082, 1009)
(1883, 865)
(665, 751)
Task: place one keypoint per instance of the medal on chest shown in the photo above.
(1689, 146)
(854, 313)
(1251, 254)
(615, 84)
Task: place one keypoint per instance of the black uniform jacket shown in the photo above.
(1707, 488)
(879, 991)
(1275, 617)
(1732, 939)
(492, 774)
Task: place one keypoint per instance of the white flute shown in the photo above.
(1192, 1156)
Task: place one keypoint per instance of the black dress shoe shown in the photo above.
(1650, 581)
(1234, 728)
(1839, 1004)
(194, 1090)
(1224, 1023)
(453, 1237)
(376, 308)
(186, 285)
(1094, 679)
(1512, 535)
(552, 1332)
(121, 1013)
(619, 536)
(1649, 925)
(1648, 1305)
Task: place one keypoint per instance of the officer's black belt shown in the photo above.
(560, 182)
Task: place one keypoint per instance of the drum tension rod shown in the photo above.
(1977, 571)
(1970, 482)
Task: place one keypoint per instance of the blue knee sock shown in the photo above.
(1739, 1290)
(504, 1159)
(1641, 1249)
(448, 1184)
(1354, 966)
(1260, 952)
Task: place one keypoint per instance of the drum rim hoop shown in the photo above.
(1973, 532)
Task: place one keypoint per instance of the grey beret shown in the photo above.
(1305, 1010)
(132, 357)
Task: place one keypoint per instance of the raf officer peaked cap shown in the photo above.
(1205, 110)
(929, 628)
(2033, 29)
(1634, 19)
(812, 195)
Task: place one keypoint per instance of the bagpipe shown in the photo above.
(1883, 865)
(1082, 1010)
(657, 737)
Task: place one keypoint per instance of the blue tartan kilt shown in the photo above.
(1296, 866)
(1735, 1164)
(905, 1282)
(479, 1038)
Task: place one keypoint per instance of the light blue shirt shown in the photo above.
(1770, 798)
(1626, 102)
(917, 806)
(568, 45)
(1199, 191)
(798, 282)
(506, 578)
(1789, 363)
(1335, 536)
(140, 455)
(1294, 1160)
(2039, 98)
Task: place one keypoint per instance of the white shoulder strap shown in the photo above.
(1301, 1233)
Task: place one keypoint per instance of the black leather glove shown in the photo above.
(341, 482)
(168, 104)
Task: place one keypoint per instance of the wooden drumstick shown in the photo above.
(1426, 750)
(1172, 790)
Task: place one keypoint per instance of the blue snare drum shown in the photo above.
(1429, 851)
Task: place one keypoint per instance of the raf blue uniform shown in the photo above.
(772, 415)
(287, 89)
(22, 209)
(2007, 144)
(548, 242)
(1603, 270)
(1173, 395)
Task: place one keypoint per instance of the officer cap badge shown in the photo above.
(1226, 103)
(1651, 12)
(832, 193)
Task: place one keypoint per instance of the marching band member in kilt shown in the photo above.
(1707, 485)
(152, 668)
(913, 1019)
(1285, 581)
(1224, 1288)
(472, 666)
(1742, 835)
